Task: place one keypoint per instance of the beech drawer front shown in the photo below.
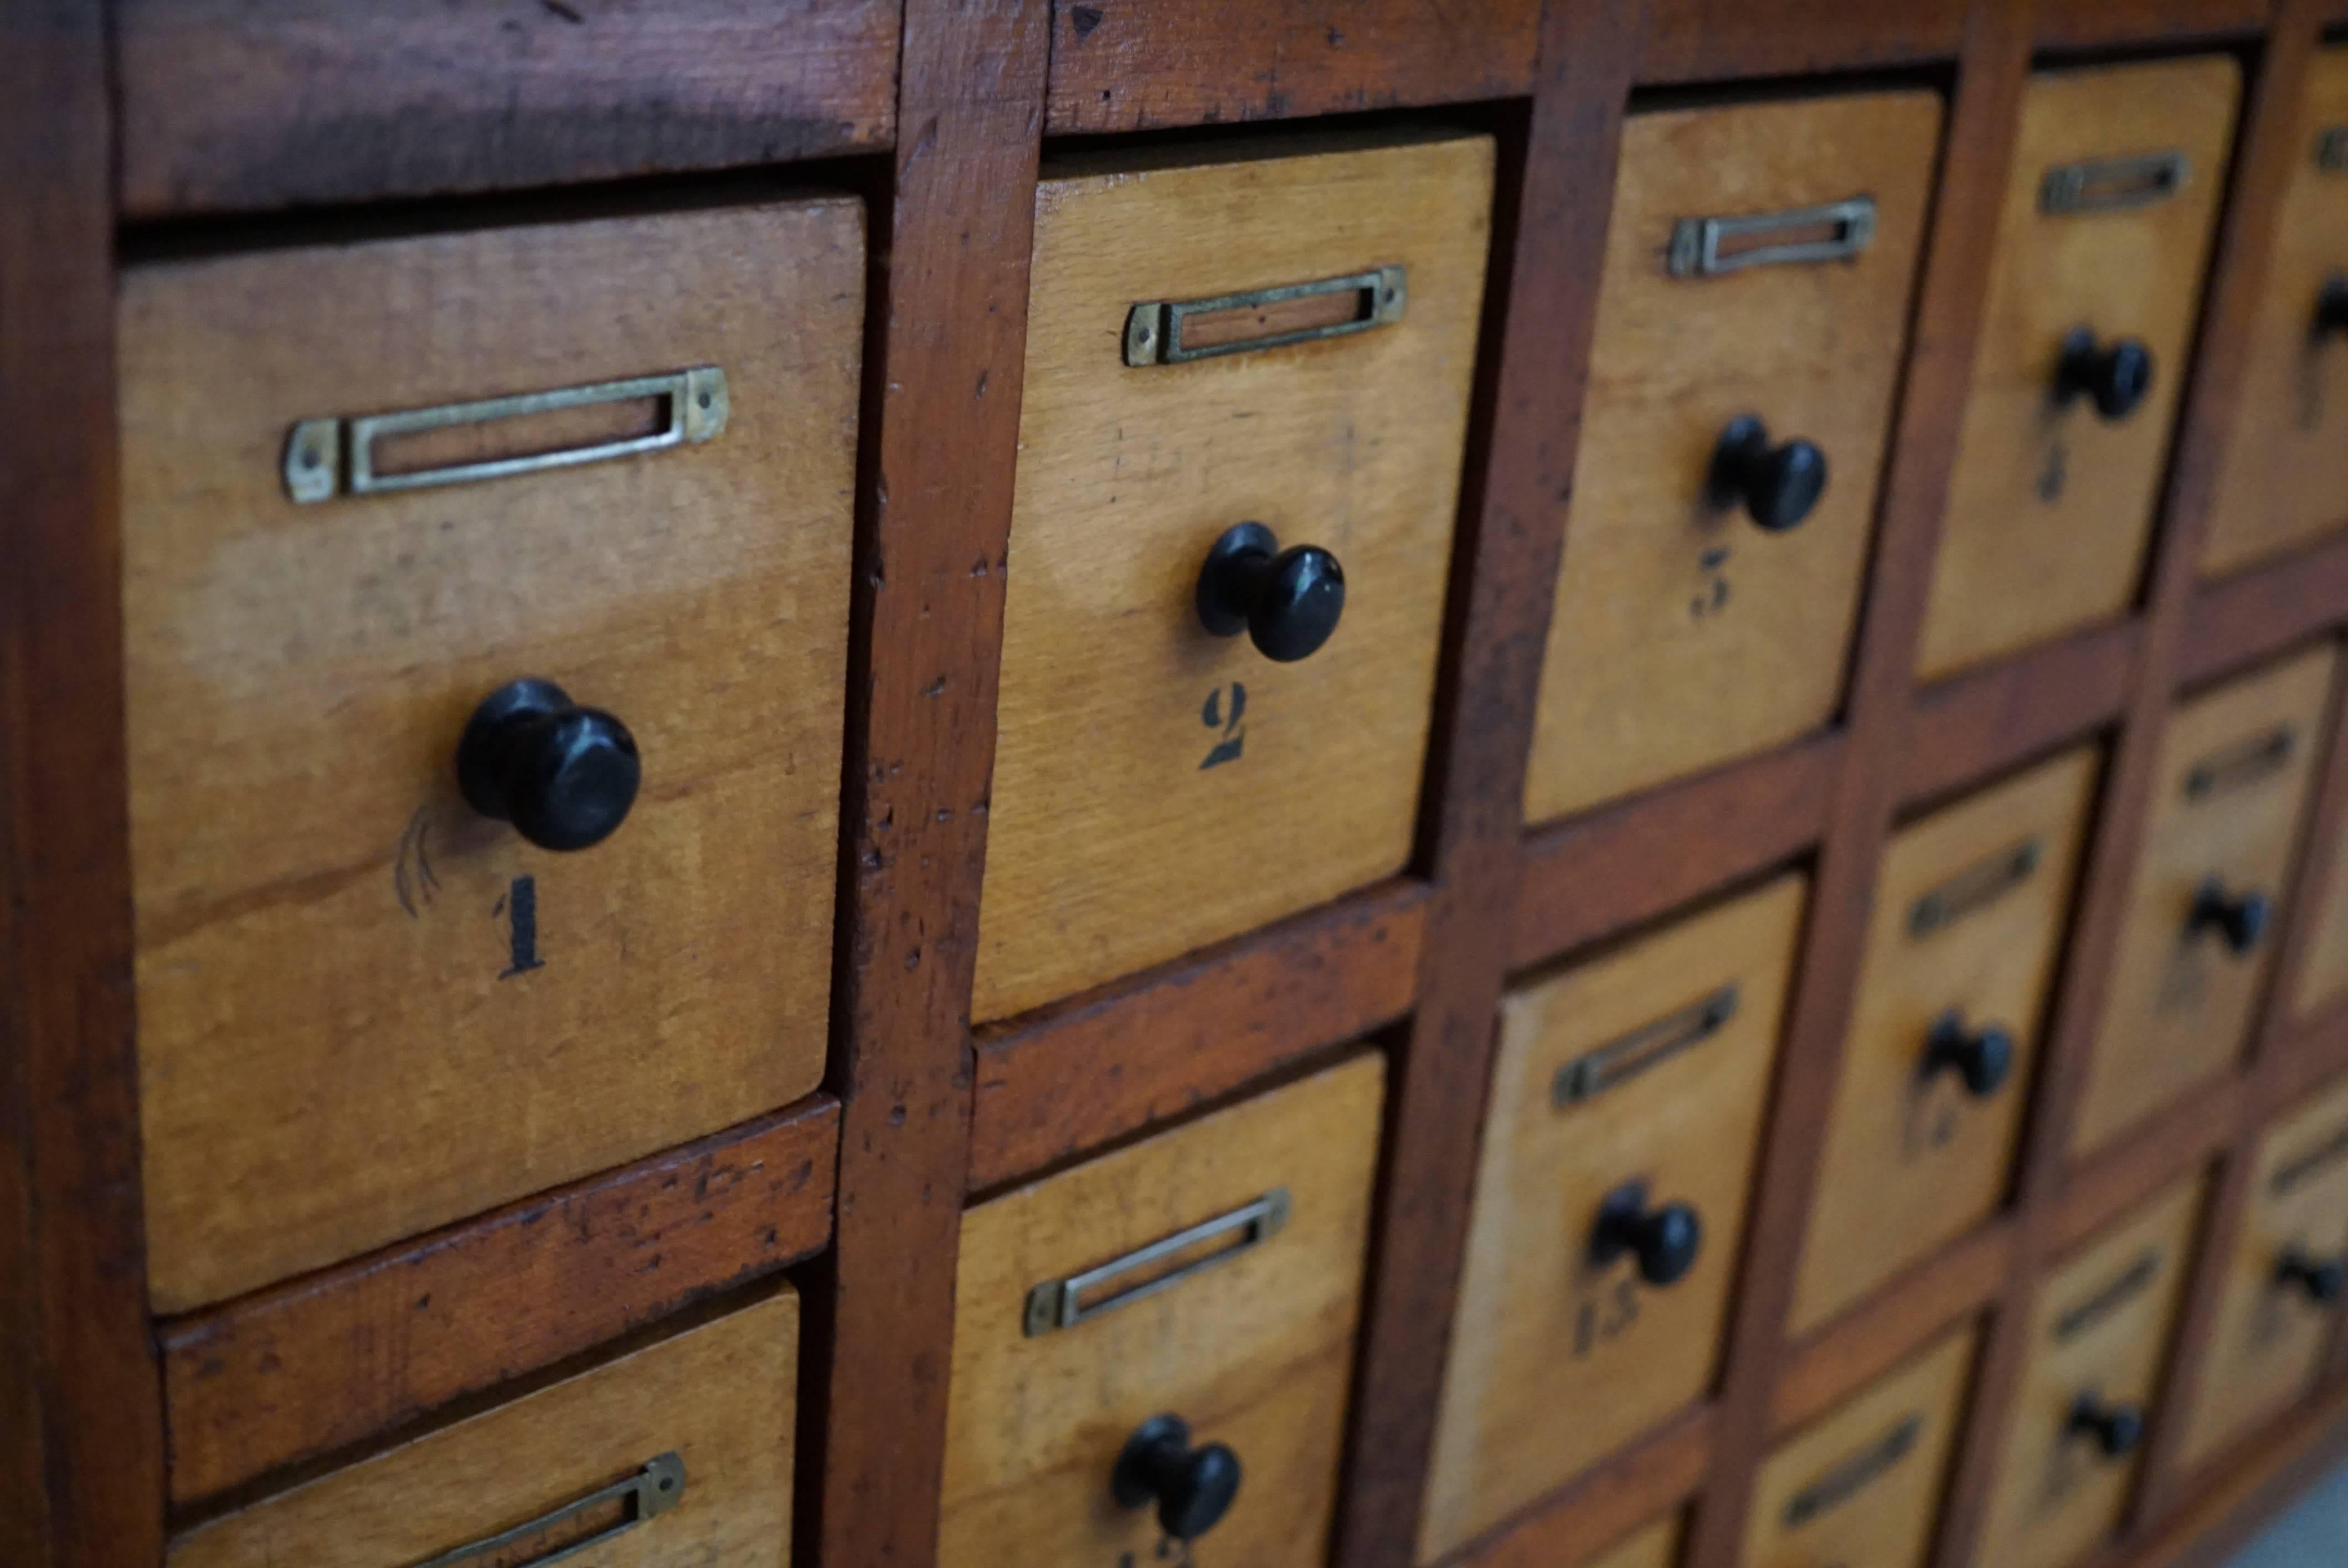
(1211, 1274)
(1655, 1546)
(1970, 909)
(2284, 467)
(1863, 1483)
(365, 1008)
(676, 1456)
(2099, 1331)
(1627, 1097)
(2117, 171)
(1759, 266)
(2234, 771)
(1159, 785)
(2284, 1284)
(2324, 966)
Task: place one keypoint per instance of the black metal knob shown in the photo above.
(2241, 918)
(1193, 1488)
(1981, 1058)
(564, 775)
(1777, 486)
(2116, 1428)
(2330, 308)
(1286, 600)
(1665, 1240)
(2320, 1279)
(2113, 376)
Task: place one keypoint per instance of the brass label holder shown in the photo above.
(657, 1486)
(2113, 184)
(1835, 231)
(1059, 1303)
(1155, 329)
(1650, 1045)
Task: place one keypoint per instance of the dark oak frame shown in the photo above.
(918, 1112)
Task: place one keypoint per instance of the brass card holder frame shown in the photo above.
(1059, 1303)
(1976, 887)
(335, 457)
(1850, 1476)
(2113, 184)
(1698, 247)
(1154, 328)
(1616, 1061)
(2242, 764)
(657, 1486)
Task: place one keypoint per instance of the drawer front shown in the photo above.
(2099, 1332)
(1627, 1098)
(1159, 785)
(1970, 909)
(1863, 1483)
(2117, 175)
(2290, 1264)
(1657, 1546)
(1211, 1276)
(365, 1006)
(1698, 621)
(676, 1456)
(2324, 966)
(2234, 771)
(2285, 461)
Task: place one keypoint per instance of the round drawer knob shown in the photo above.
(2114, 376)
(2320, 1279)
(564, 775)
(2331, 306)
(2115, 1428)
(1980, 1057)
(1193, 1488)
(1664, 1239)
(2240, 919)
(1287, 600)
(1777, 486)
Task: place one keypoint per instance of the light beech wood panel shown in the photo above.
(2050, 509)
(2323, 961)
(1684, 634)
(2099, 1324)
(718, 1397)
(365, 1009)
(2230, 785)
(1158, 788)
(1556, 1360)
(1657, 1546)
(1862, 1484)
(1254, 1352)
(2267, 1343)
(1912, 1160)
(2283, 477)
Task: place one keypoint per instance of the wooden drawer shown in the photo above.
(2324, 968)
(2193, 956)
(1655, 1546)
(1627, 1087)
(2275, 1319)
(1698, 621)
(2099, 1334)
(1159, 785)
(1970, 909)
(2284, 469)
(1862, 1484)
(1074, 1337)
(2117, 175)
(700, 1424)
(365, 1006)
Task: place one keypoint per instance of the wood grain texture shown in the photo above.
(1910, 1159)
(247, 104)
(1157, 787)
(1972, 727)
(1601, 873)
(1713, 40)
(1622, 1494)
(1137, 65)
(1079, 1076)
(1862, 1484)
(1684, 634)
(1557, 1358)
(719, 1396)
(81, 1408)
(2049, 521)
(943, 358)
(2312, 970)
(1253, 1351)
(346, 1036)
(2181, 1003)
(1653, 1547)
(322, 1363)
(2264, 610)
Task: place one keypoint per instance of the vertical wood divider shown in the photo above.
(81, 1410)
(1503, 584)
(2262, 162)
(945, 357)
(1977, 147)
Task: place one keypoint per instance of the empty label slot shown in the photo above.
(519, 436)
(2245, 762)
(1310, 313)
